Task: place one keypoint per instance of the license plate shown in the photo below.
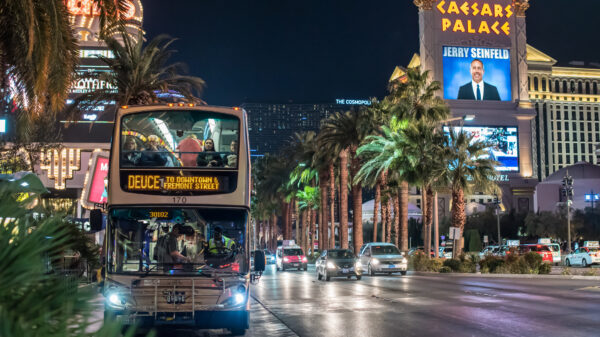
(295, 265)
(392, 266)
(345, 270)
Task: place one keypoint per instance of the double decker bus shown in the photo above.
(177, 243)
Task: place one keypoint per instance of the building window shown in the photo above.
(535, 84)
(595, 88)
(574, 136)
(587, 88)
(560, 160)
(575, 146)
(543, 84)
(557, 114)
(582, 148)
(556, 86)
(580, 88)
(589, 115)
(567, 148)
(559, 147)
(559, 137)
(568, 160)
(575, 159)
(573, 114)
(567, 138)
(565, 87)
(558, 126)
(590, 148)
(566, 126)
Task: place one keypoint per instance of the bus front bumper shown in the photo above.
(238, 319)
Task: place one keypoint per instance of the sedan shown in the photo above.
(381, 257)
(583, 256)
(337, 263)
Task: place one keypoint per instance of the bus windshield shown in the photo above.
(176, 241)
(183, 138)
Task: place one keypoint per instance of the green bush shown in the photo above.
(420, 262)
(566, 271)
(454, 264)
(591, 272)
(544, 268)
(530, 263)
(445, 269)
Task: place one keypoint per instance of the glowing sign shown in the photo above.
(99, 187)
(2, 125)
(159, 214)
(153, 182)
(89, 8)
(476, 17)
(352, 101)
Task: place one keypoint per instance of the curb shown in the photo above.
(519, 276)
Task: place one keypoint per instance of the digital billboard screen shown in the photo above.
(480, 74)
(99, 187)
(505, 149)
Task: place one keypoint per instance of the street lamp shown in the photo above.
(567, 191)
(497, 202)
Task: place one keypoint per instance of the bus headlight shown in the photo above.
(116, 300)
(238, 298)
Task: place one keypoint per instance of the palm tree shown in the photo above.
(137, 72)
(344, 133)
(308, 201)
(468, 168)
(38, 51)
(414, 99)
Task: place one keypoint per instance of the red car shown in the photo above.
(543, 250)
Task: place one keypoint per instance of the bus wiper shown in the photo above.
(149, 270)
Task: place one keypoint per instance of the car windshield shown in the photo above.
(292, 251)
(539, 248)
(176, 240)
(340, 254)
(385, 250)
(554, 248)
(179, 139)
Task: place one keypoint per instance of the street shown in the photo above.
(294, 303)
(439, 305)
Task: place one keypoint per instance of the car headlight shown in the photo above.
(404, 260)
(374, 261)
(331, 265)
(358, 265)
(238, 298)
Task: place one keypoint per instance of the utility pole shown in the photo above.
(567, 191)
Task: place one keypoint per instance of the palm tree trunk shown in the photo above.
(332, 204)
(429, 195)
(344, 199)
(303, 234)
(388, 219)
(396, 218)
(436, 224)
(275, 231)
(356, 203)
(425, 220)
(404, 216)
(323, 225)
(376, 209)
(313, 221)
(298, 239)
(384, 207)
(459, 217)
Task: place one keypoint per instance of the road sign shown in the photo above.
(454, 233)
(485, 239)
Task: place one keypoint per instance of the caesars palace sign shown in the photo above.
(476, 17)
(88, 8)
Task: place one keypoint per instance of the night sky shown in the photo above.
(314, 51)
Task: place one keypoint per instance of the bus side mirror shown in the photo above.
(96, 220)
(259, 261)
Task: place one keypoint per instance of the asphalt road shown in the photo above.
(294, 303)
(437, 305)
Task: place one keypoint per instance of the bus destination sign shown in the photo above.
(167, 183)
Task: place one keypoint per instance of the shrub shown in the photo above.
(490, 264)
(454, 265)
(445, 269)
(566, 271)
(591, 272)
(544, 268)
(420, 262)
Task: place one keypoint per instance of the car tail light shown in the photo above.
(235, 267)
(286, 259)
(304, 259)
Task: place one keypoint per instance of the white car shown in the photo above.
(583, 256)
(489, 250)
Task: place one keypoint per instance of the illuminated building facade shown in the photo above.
(272, 126)
(568, 122)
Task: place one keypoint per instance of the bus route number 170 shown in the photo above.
(179, 200)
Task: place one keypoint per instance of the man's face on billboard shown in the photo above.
(477, 71)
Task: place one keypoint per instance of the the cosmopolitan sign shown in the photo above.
(476, 17)
(352, 101)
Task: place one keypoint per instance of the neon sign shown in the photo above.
(89, 8)
(151, 182)
(476, 17)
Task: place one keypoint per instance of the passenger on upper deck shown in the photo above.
(209, 158)
(232, 158)
(153, 155)
(130, 155)
(189, 148)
